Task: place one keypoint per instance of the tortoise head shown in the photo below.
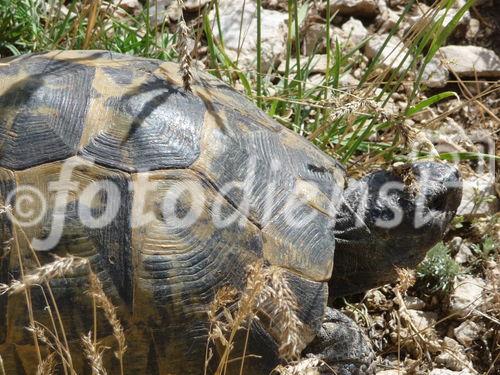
(391, 219)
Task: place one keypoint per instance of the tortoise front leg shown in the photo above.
(343, 345)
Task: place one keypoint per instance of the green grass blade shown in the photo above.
(430, 101)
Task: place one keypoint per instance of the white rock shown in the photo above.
(317, 64)
(448, 15)
(274, 31)
(387, 18)
(393, 53)
(423, 319)
(165, 11)
(414, 303)
(467, 296)
(444, 371)
(348, 81)
(390, 372)
(314, 81)
(354, 31)
(452, 356)
(478, 195)
(473, 28)
(275, 4)
(360, 8)
(131, 5)
(463, 255)
(469, 61)
(449, 137)
(467, 332)
(435, 74)
(189, 5)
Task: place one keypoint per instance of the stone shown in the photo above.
(314, 80)
(471, 61)
(314, 38)
(422, 11)
(467, 296)
(274, 31)
(467, 332)
(387, 18)
(452, 356)
(348, 81)
(444, 371)
(275, 4)
(393, 53)
(414, 303)
(390, 372)
(463, 252)
(435, 74)
(317, 64)
(165, 11)
(473, 28)
(354, 31)
(449, 137)
(357, 8)
(423, 319)
(478, 195)
(131, 6)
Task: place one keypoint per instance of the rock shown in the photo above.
(414, 303)
(393, 53)
(274, 31)
(354, 31)
(435, 74)
(452, 356)
(131, 6)
(165, 11)
(422, 11)
(314, 38)
(387, 18)
(423, 319)
(348, 81)
(275, 4)
(467, 332)
(314, 81)
(317, 64)
(357, 8)
(449, 137)
(473, 27)
(390, 372)
(478, 195)
(467, 296)
(443, 371)
(471, 61)
(463, 252)
(449, 14)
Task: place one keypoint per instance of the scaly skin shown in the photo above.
(366, 253)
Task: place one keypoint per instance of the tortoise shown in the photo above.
(117, 135)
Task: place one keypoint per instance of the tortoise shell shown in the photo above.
(127, 121)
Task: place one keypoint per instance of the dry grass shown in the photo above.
(268, 293)
(93, 351)
(185, 60)
(47, 366)
(307, 366)
(103, 302)
(58, 268)
(2, 368)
